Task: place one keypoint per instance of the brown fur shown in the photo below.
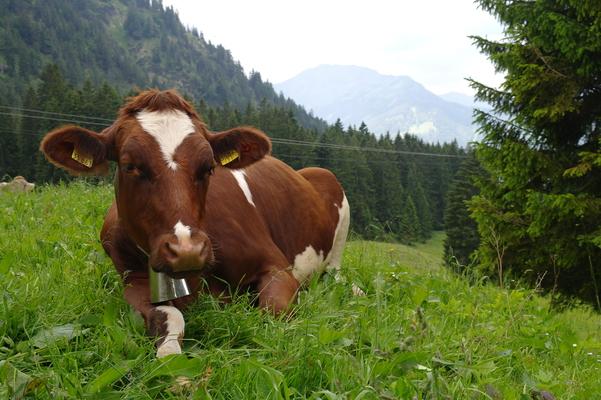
(156, 100)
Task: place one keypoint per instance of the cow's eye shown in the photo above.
(203, 172)
(135, 171)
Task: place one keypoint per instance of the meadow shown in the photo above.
(420, 331)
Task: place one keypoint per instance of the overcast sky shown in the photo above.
(426, 40)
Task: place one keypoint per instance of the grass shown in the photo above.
(420, 332)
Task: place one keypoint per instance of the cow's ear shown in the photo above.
(239, 147)
(77, 150)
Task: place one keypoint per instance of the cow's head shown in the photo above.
(165, 157)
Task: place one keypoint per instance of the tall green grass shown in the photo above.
(419, 332)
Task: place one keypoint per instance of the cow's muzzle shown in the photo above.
(178, 257)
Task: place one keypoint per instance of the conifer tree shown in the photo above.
(54, 95)
(409, 222)
(31, 133)
(536, 218)
(9, 139)
(388, 187)
(422, 205)
(462, 233)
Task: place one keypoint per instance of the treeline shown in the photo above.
(395, 192)
(529, 205)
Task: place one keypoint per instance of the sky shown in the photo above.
(426, 40)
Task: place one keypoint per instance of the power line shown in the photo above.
(277, 140)
(57, 113)
(357, 148)
(305, 160)
(55, 119)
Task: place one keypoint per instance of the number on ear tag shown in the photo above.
(82, 158)
(229, 157)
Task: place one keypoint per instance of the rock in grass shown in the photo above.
(542, 395)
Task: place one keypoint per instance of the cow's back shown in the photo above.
(298, 211)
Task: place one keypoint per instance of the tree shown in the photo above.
(462, 233)
(422, 205)
(31, 133)
(539, 214)
(409, 222)
(9, 140)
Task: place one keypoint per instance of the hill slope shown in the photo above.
(419, 331)
(384, 103)
(126, 43)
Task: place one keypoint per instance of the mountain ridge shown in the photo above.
(386, 103)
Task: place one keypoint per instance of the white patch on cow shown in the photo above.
(183, 232)
(175, 330)
(334, 257)
(310, 262)
(169, 128)
(307, 263)
(241, 179)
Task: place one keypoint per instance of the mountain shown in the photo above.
(127, 43)
(465, 100)
(385, 103)
(459, 98)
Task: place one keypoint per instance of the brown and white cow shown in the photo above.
(253, 223)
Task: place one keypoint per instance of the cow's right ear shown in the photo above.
(77, 150)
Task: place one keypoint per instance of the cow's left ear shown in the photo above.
(239, 147)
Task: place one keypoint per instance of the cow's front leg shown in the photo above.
(167, 323)
(277, 289)
(164, 322)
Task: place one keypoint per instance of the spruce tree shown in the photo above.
(539, 213)
(409, 222)
(31, 132)
(8, 144)
(415, 180)
(461, 231)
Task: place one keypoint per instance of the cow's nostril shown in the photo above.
(171, 250)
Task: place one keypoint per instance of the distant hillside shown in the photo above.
(126, 43)
(384, 103)
(465, 100)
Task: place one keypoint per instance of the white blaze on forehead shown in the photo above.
(241, 179)
(169, 128)
(175, 331)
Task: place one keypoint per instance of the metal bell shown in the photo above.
(164, 288)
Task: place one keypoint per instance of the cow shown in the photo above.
(18, 185)
(214, 208)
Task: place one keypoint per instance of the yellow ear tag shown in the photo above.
(229, 157)
(82, 158)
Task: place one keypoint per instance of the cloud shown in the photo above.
(427, 40)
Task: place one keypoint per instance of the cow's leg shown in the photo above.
(277, 289)
(164, 322)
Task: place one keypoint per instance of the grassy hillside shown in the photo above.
(420, 332)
